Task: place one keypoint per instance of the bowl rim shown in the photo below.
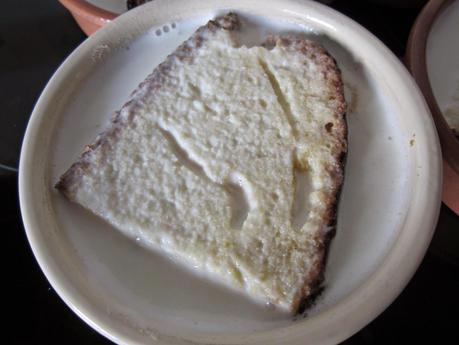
(416, 63)
(382, 286)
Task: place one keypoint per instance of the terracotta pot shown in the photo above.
(89, 17)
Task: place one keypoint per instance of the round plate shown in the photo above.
(388, 209)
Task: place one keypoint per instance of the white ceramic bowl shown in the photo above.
(388, 209)
(432, 55)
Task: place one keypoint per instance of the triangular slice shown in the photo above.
(229, 159)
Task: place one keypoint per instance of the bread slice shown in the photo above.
(228, 159)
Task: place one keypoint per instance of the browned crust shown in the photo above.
(315, 53)
(121, 120)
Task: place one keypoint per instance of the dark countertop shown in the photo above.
(35, 37)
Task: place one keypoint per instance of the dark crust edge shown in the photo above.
(317, 287)
(313, 282)
(69, 181)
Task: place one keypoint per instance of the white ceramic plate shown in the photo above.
(388, 209)
(442, 55)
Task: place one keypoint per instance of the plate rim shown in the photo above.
(427, 198)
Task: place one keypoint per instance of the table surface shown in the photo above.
(35, 37)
